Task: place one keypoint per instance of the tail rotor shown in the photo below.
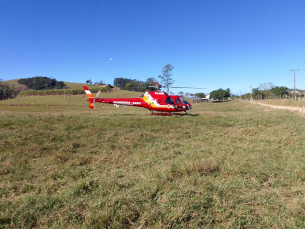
(91, 99)
(97, 94)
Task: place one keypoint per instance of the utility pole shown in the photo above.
(261, 86)
(65, 96)
(245, 95)
(294, 82)
(251, 92)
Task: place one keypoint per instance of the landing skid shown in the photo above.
(164, 113)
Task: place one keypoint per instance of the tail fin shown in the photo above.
(90, 97)
(88, 92)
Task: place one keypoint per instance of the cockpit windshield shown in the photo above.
(184, 101)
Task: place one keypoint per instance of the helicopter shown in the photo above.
(158, 101)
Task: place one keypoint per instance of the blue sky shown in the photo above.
(211, 44)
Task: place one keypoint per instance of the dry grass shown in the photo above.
(284, 102)
(229, 165)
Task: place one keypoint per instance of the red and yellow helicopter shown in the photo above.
(153, 100)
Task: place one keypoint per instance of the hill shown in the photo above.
(69, 84)
(70, 88)
(73, 100)
(14, 83)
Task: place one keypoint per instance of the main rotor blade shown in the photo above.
(97, 94)
(155, 86)
(188, 87)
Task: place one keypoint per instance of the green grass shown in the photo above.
(228, 165)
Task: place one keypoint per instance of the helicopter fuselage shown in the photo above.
(152, 100)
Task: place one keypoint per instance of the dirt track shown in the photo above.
(291, 108)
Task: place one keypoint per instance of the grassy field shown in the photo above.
(228, 165)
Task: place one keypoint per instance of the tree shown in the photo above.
(60, 84)
(280, 91)
(166, 77)
(256, 93)
(121, 82)
(6, 91)
(139, 85)
(150, 81)
(41, 83)
(219, 94)
(89, 81)
(200, 95)
(129, 86)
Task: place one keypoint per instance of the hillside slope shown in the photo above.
(70, 85)
(70, 100)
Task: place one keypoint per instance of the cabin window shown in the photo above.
(169, 101)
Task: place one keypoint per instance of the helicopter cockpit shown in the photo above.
(184, 101)
(178, 101)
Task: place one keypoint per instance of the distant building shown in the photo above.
(199, 100)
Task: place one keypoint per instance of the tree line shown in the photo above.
(133, 84)
(263, 92)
